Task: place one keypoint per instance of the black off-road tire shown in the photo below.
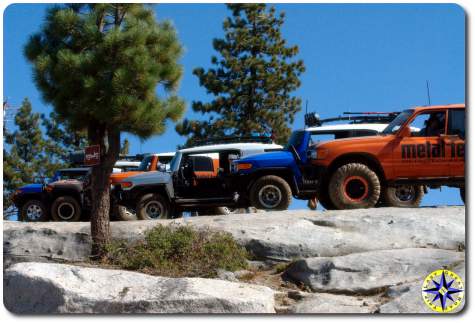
(270, 185)
(33, 211)
(354, 186)
(462, 194)
(150, 204)
(415, 193)
(65, 209)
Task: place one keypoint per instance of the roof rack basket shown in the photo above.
(313, 119)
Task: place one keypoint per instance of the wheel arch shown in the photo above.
(364, 158)
(285, 173)
(21, 200)
(139, 191)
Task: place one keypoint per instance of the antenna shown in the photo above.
(306, 111)
(428, 91)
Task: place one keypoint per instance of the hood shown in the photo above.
(66, 182)
(357, 141)
(279, 158)
(154, 177)
(31, 188)
(117, 177)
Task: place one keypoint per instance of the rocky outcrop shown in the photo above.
(370, 272)
(273, 235)
(334, 304)
(40, 288)
(354, 261)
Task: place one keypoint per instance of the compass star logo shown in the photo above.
(443, 291)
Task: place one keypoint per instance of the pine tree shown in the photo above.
(61, 141)
(24, 162)
(252, 80)
(99, 65)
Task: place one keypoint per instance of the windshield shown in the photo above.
(295, 139)
(145, 164)
(396, 124)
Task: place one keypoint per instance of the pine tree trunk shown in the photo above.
(109, 142)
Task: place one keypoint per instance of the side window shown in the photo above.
(428, 124)
(457, 122)
(202, 164)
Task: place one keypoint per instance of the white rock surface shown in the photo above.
(34, 288)
(372, 271)
(324, 303)
(273, 235)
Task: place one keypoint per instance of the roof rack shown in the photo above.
(313, 119)
(230, 140)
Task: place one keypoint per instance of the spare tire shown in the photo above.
(354, 186)
(66, 208)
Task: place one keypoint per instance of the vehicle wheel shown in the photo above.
(65, 208)
(271, 193)
(33, 211)
(354, 186)
(403, 196)
(125, 214)
(462, 194)
(153, 207)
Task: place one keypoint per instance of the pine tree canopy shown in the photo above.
(24, 161)
(252, 80)
(102, 63)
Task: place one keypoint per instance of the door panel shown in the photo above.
(456, 140)
(425, 152)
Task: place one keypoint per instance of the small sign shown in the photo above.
(92, 155)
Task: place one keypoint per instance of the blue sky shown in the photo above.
(358, 58)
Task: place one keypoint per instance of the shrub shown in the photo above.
(177, 252)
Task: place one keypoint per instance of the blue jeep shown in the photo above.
(32, 199)
(268, 181)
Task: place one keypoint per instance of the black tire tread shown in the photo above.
(337, 179)
(141, 214)
(389, 197)
(274, 180)
(61, 199)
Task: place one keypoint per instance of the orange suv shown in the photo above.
(423, 146)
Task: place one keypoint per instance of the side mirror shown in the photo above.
(162, 167)
(405, 132)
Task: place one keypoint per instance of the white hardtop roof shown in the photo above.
(127, 163)
(355, 126)
(168, 154)
(237, 146)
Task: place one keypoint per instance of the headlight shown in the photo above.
(126, 184)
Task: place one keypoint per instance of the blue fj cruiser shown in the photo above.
(270, 180)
